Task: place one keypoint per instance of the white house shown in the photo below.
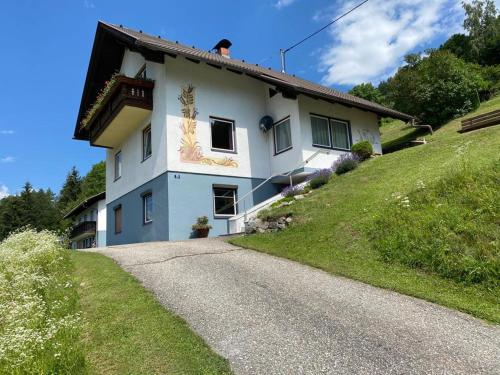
(89, 223)
(189, 132)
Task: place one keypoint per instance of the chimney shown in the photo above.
(222, 48)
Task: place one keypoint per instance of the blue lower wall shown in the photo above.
(190, 196)
(133, 229)
(178, 200)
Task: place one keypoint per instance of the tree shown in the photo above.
(367, 91)
(436, 88)
(94, 181)
(460, 46)
(36, 209)
(70, 191)
(482, 23)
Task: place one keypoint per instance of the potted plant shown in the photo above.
(201, 228)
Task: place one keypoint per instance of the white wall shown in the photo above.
(280, 108)
(135, 171)
(221, 93)
(364, 126)
(224, 94)
(101, 223)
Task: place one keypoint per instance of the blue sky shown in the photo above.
(46, 48)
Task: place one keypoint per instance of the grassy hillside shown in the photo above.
(337, 222)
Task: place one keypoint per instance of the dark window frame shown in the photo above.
(120, 210)
(116, 169)
(234, 189)
(275, 125)
(233, 133)
(144, 196)
(330, 119)
(146, 130)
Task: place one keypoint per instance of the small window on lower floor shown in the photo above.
(224, 201)
(147, 201)
(118, 219)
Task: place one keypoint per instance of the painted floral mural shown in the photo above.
(190, 149)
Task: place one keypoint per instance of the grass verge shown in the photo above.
(128, 332)
(333, 231)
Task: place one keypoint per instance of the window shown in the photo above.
(147, 203)
(340, 132)
(146, 143)
(118, 165)
(222, 134)
(118, 219)
(224, 200)
(282, 136)
(331, 133)
(320, 131)
(142, 72)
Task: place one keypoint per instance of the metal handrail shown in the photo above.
(301, 164)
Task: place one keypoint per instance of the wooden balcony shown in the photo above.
(82, 230)
(126, 106)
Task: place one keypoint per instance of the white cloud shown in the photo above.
(284, 3)
(7, 159)
(4, 191)
(7, 132)
(88, 4)
(370, 43)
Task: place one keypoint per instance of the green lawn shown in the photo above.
(395, 133)
(127, 332)
(334, 223)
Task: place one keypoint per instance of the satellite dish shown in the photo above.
(266, 123)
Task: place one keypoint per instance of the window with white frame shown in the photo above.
(147, 202)
(224, 201)
(118, 165)
(320, 131)
(282, 136)
(146, 143)
(330, 133)
(340, 134)
(223, 134)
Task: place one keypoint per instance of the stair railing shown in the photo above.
(288, 174)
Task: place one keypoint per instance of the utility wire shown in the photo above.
(324, 27)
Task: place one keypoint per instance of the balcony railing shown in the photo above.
(84, 228)
(126, 91)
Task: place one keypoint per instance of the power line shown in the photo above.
(284, 51)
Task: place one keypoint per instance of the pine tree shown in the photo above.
(70, 191)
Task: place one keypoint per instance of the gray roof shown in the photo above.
(295, 84)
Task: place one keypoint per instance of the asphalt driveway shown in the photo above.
(273, 316)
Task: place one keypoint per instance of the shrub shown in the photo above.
(319, 178)
(449, 228)
(39, 319)
(346, 163)
(363, 150)
(291, 191)
(201, 223)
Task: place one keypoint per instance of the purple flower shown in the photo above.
(291, 191)
(325, 173)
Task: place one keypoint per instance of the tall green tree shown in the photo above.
(483, 25)
(71, 190)
(367, 91)
(94, 181)
(33, 208)
(436, 88)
